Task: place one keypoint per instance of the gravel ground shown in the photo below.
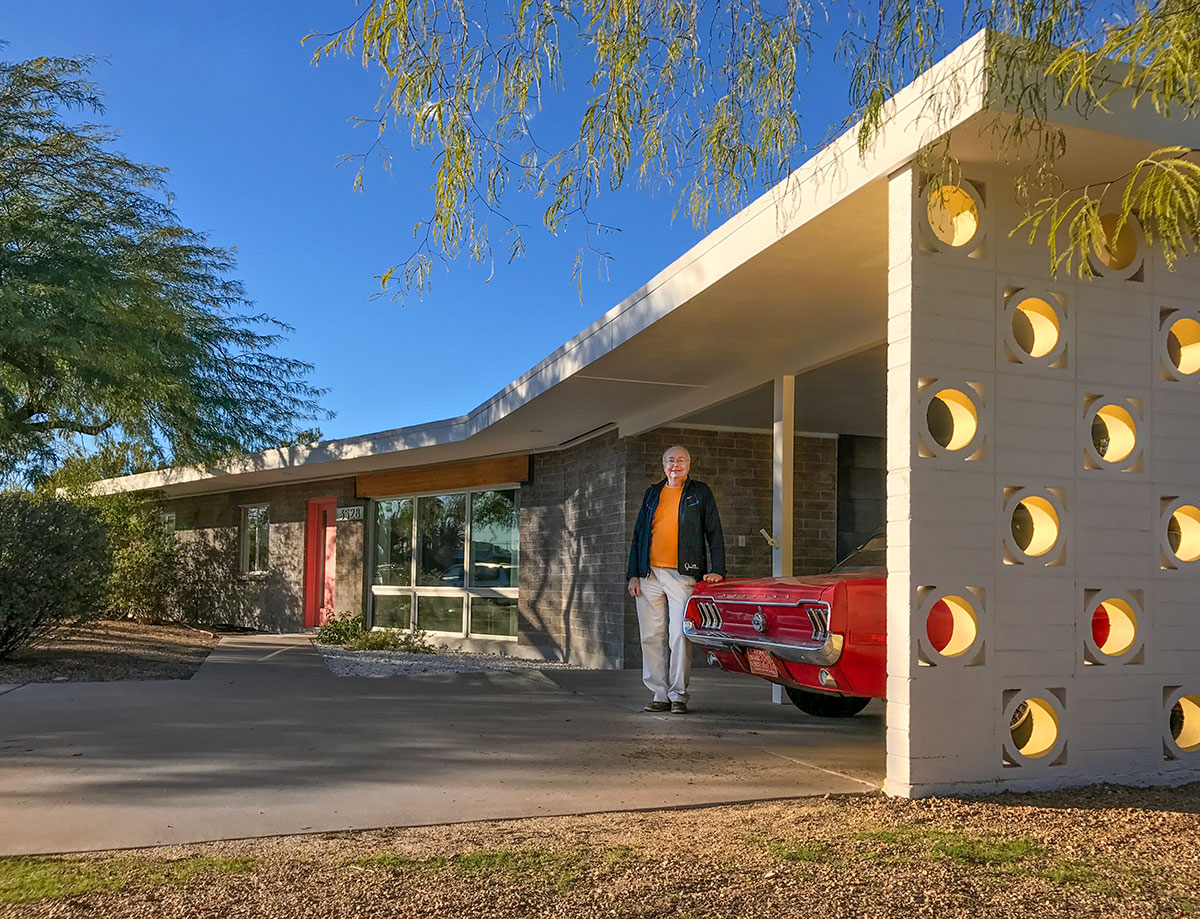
(111, 650)
(396, 663)
(1102, 851)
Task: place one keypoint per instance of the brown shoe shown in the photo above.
(678, 708)
(657, 706)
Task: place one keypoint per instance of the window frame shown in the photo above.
(263, 544)
(466, 592)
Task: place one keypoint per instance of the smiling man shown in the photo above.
(678, 532)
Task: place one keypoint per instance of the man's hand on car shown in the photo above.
(712, 577)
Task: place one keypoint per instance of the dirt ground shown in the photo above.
(111, 650)
(1102, 851)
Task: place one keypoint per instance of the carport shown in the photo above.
(840, 302)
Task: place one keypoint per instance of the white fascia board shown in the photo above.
(830, 176)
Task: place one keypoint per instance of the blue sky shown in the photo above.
(222, 93)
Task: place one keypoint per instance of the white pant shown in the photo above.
(660, 619)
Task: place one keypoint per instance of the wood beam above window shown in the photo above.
(492, 470)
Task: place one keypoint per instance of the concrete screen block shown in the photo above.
(1061, 518)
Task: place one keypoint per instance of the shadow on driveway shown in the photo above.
(264, 740)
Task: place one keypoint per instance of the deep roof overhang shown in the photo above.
(793, 283)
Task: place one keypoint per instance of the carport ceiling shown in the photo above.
(848, 396)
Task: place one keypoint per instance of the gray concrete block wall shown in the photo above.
(950, 511)
(861, 490)
(207, 530)
(572, 553)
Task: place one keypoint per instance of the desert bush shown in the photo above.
(342, 628)
(54, 568)
(348, 631)
(144, 578)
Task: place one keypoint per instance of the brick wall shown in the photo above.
(573, 553)
(207, 528)
(861, 490)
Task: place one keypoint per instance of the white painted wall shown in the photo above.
(949, 515)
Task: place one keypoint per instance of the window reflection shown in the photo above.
(393, 542)
(441, 529)
(440, 614)
(392, 612)
(495, 544)
(493, 616)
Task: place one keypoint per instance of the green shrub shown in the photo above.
(348, 631)
(391, 640)
(54, 568)
(144, 577)
(144, 582)
(342, 628)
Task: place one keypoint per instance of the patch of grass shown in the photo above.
(906, 837)
(957, 847)
(27, 880)
(560, 870)
(974, 851)
(615, 855)
(801, 851)
(1067, 872)
(1009, 857)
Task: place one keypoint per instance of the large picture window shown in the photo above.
(447, 563)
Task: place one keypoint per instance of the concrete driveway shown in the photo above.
(264, 740)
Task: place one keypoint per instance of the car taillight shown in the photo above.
(819, 617)
(708, 614)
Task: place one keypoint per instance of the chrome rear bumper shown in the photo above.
(823, 654)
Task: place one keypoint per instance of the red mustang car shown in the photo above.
(823, 638)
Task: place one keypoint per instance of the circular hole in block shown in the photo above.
(1114, 433)
(1035, 525)
(952, 626)
(1114, 626)
(1036, 326)
(952, 419)
(1185, 722)
(1183, 533)
(1034, 727)
(953, 215)
(1183, 345)
(1118, 249)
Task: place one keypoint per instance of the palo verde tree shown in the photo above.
(705, 97)
(115, 321)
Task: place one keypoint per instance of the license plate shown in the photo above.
(761, 663)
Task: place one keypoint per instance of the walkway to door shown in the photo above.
(263, 740)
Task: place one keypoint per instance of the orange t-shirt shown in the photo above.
(664, 529)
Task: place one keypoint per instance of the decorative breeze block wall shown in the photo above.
(1043, 503)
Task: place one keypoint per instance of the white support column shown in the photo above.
(783, 466)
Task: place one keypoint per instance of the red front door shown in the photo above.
(320, 561)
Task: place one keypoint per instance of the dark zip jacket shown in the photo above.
(699, 529)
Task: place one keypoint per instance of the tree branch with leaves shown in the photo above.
(706, 99)
(116, 322)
